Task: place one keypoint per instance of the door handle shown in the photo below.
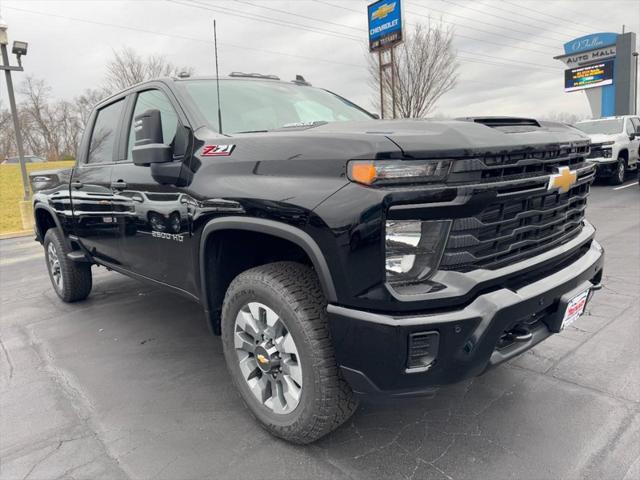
(119, 185)
(76, 184)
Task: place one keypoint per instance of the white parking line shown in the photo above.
(627, 185)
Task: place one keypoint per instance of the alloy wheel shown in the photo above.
(621, 171)
(268, 358)
(54, 266)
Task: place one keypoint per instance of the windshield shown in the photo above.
(607, 127)
(249, 105)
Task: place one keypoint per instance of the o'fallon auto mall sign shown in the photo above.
(385, 24)
(602, 65)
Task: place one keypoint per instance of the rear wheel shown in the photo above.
(71, 280)
(278, 350)
(618, 175)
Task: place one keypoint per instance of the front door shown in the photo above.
(95, 222)
(156, 236)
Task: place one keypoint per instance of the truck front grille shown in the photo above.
(519, 223)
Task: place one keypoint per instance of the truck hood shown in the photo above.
(601, 137)
(339, 142)
(459, 138)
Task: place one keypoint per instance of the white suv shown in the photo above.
(615, 145)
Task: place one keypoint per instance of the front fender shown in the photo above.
(269, 227)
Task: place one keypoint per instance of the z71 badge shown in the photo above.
(217, 150)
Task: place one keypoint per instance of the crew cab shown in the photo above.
(615, 145)
(337, 255)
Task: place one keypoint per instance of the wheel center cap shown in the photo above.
(267, 357)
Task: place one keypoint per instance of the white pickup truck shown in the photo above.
(615, 145)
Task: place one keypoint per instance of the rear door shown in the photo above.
(91, 195)
(156, 237)
(634, 148)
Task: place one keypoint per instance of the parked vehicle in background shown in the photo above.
(615, 145)
(337, 255)
(27, 159)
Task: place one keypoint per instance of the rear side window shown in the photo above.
(103, 137)
(155, 100)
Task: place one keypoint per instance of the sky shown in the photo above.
(505, 48)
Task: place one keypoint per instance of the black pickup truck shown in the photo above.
(336, 254)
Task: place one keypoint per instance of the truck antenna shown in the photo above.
(215, 46)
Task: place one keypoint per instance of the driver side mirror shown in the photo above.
(149, 147)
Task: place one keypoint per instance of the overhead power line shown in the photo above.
(182, 37)
(508, 19)
(489, 60)
(520, 6)
(315, 19)
(199, 4)
(558, 23)
(476, 20)
(459, 35)
(283, 23)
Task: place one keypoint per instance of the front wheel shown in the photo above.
(618, 175)
(71, 280)
(278, 350)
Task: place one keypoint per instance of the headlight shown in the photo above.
(607, 143)
(413, 248)
(398, 171)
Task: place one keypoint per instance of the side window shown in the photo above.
(155, 100)
(635, 121)
(103, 136)
(629, 127)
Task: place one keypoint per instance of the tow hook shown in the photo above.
(519, 333)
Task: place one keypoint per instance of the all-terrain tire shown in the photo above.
(618, 176)
(293, 292)
(71, 280)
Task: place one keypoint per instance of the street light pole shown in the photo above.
(12, 103)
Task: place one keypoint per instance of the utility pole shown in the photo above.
(635, 90)
(19, 48)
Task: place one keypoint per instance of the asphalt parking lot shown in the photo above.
(129, 384)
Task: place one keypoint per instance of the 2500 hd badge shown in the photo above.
(168, 236)
(318, 239)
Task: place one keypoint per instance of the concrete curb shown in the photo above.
(18, 234)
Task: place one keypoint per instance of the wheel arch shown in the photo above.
(624, 153)
(45, 218)
(209, 258)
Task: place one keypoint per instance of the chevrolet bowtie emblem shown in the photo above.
(262, 359)
(383, 11)
(563, 180)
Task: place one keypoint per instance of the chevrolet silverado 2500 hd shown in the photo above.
(615, 145)
(337, 255)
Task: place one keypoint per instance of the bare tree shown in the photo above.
(53, 128)
(50, 128)
(425, 69)
(563, 117)
(84, 104)
(7, 138)
(127, 67)
(37, 117)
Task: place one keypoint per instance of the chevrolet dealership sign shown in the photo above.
(385, 24)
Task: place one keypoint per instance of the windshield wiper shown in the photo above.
(254, 131)
(315, 123)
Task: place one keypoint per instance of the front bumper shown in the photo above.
(605, 166)
(372, 349)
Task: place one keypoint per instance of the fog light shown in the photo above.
(413, 248)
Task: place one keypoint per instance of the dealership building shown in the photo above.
(604, 66)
